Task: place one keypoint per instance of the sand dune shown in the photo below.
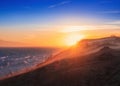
(90, 63)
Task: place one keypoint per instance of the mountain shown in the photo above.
(94, 62)
(4, 43)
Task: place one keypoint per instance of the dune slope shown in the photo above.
(99, 67)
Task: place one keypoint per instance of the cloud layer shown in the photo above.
(59, 4)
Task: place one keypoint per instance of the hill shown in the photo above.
(90, 63)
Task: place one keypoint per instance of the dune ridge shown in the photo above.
(89, 63)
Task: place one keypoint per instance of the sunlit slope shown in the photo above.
(90, 63)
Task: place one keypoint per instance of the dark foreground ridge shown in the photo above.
(98, 68)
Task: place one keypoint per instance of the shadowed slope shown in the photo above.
(99, 68)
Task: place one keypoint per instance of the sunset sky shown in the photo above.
(56, 22)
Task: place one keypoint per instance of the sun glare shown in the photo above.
(72, 39)
(74, 29)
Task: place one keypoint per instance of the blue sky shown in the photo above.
(35, 21)
(21, 12)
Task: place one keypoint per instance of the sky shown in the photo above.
(49, 22)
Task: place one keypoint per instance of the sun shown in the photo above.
(73, 39)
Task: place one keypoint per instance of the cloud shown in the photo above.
(111, 12)
(59, 4)
(115, 23)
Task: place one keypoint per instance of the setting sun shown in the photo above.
(72, 39)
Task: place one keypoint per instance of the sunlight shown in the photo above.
(74, 29)
(72, 39)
